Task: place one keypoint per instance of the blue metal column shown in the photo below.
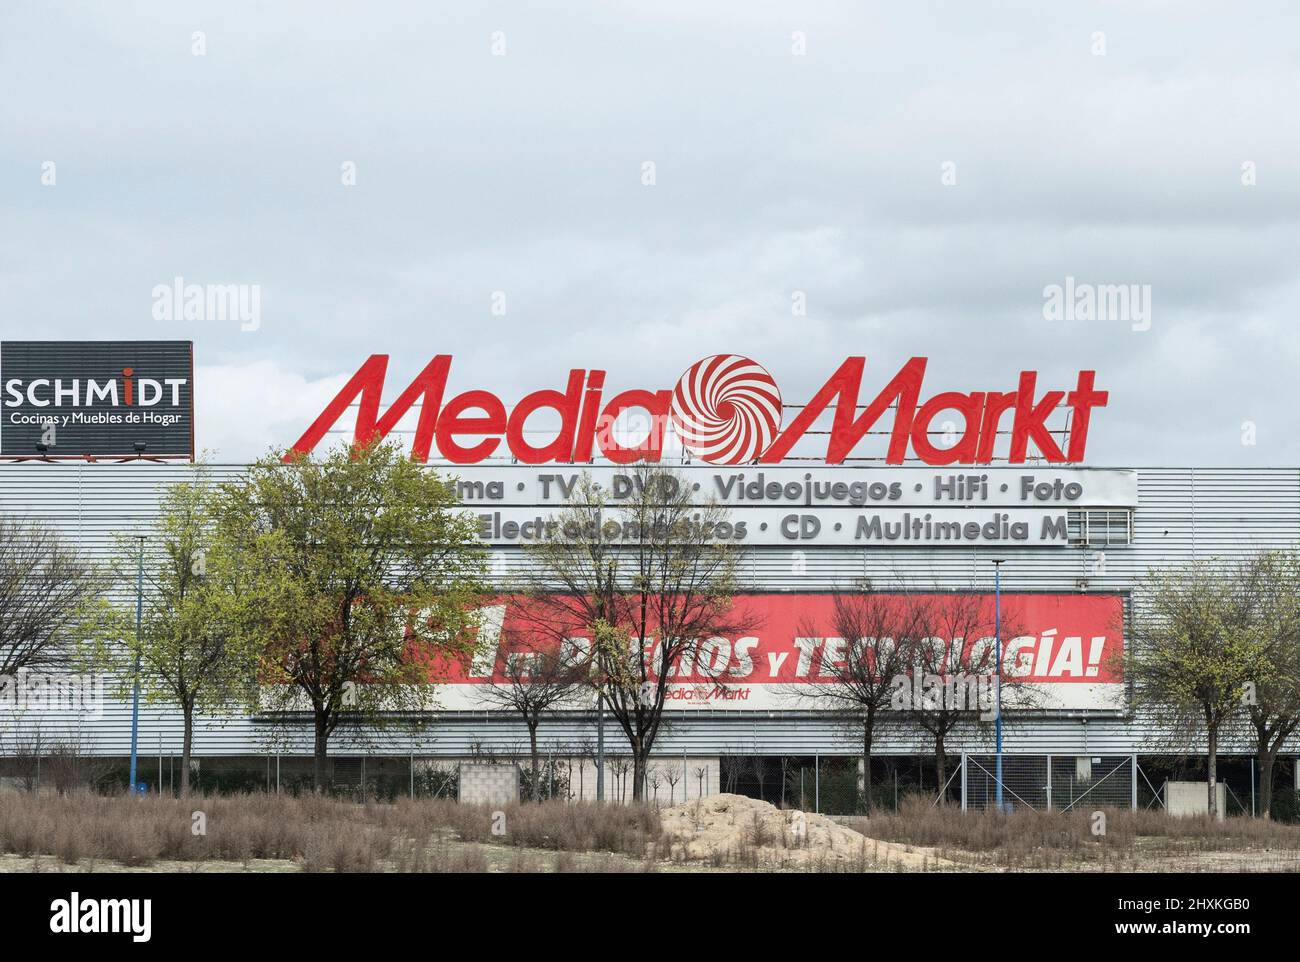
(600, 746)
(997, 635)
(135, 693)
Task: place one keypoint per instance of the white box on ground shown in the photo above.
(489, 783)
(1192, 798)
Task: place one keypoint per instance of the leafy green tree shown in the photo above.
(362, 582)
(1273, 702)
(192, 649)
(1199, 645)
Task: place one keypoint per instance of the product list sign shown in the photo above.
(78, 399)
(831, 506)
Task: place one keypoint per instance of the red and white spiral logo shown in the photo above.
(726, 409)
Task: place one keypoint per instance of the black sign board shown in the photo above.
(70, 399)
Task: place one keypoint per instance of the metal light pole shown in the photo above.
(135, 693)
(997, 638)
(600, 746)
(600, 694)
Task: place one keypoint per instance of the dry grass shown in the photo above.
(283, 833)
(318, 833)
(1131, 841)
(560, 826)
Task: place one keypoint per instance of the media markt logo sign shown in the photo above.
(87, 399)
(724, 409)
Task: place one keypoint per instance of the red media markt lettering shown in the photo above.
(724, 409)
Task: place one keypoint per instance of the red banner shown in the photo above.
(1067, 647)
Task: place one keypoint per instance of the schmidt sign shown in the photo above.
(88, 399)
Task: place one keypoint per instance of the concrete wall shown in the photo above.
(489, 783)
(1192, 798)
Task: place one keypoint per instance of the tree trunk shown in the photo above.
(638, 773)
(536, 788)
(187, 741)
(320, 753)
(866, 769)
(1212, 769)
(1265, 760)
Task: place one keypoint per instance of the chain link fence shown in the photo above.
(1050, 782)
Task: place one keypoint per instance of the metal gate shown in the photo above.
(1048, 783)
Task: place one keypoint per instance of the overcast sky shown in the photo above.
(797, 147)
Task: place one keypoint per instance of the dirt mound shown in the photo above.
(736, 830)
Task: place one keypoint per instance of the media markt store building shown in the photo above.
(1074, 544)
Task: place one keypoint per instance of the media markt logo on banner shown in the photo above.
(724, 409)
(87, 399)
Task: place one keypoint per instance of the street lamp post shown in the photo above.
(997, 638)
(600, 746)
(135, 691)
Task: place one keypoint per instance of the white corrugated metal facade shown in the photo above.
(1181, 513)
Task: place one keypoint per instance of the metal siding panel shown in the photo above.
(1182, 514)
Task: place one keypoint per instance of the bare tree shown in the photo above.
(66, 763)
(26, 748)
(620, 766)
(536, 674)
(47, 591)
(652, 579)
(71, 763)
(733, 771)
(760, 775)
(585, 750)
(953, 661)
(860, 650)
(672, 776)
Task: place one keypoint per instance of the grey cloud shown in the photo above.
(775, 174)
